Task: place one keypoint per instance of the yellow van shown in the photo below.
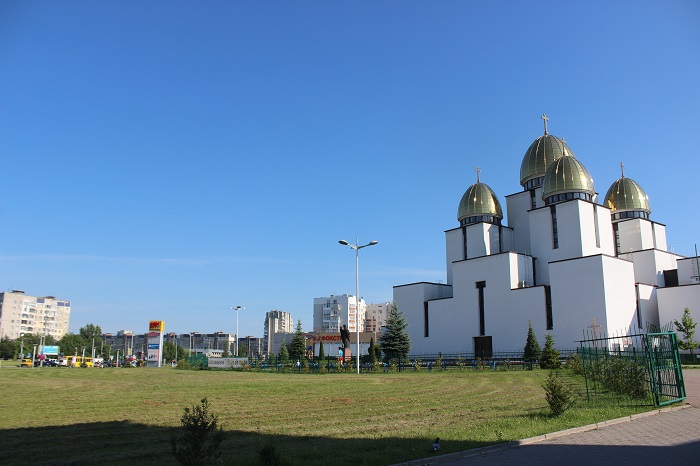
(26, 363)
(78, 361)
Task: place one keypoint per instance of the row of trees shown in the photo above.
(394, 342)
(69, 343)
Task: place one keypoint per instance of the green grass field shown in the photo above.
(127, 416)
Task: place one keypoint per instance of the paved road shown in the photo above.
(671, 436)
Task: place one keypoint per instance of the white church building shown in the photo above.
(567, 261)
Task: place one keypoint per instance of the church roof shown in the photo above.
(479, 200)
(626, 194)
(567, 174)
(540, 155)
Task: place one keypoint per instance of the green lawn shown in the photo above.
(126, 416)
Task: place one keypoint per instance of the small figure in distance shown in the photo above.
(345, 336)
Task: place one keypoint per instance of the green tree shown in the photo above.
(297, 349)
(283, 354)
(321, 352)
(395, 342)
(169, 351)
(550, 355)
(532, 347)
(372, 352)
(71, 343)
(686, 327)
(91, 331)
(8, 349)
(243, 350)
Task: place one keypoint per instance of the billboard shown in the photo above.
(156, 326)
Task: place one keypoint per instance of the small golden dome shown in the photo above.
(479, 201)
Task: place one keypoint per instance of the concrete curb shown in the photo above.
(451, 457)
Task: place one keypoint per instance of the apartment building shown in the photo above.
(334, 311)
(22, 314)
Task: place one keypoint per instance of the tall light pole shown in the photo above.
(237, 308)
(357, 248)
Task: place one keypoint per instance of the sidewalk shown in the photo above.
(659, 437)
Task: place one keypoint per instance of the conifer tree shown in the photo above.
(283, 355)
(532, 347)
(686, 327)
(297, 349)
(321, 353)
(550, 355)
(372, 352)
(395, 342)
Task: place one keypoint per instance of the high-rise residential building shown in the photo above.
(332, 312)
(22, 314)
(376, 316)
(277, 323)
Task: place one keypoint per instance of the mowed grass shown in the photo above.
(127, 416)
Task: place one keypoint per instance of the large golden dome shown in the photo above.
(540, 155)
(626, 194)
(567, 175)
(479, 203)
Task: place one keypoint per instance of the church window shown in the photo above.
(482, 327)
(595, 225)
(533, 199)
(464, 238)
(616, 233)
(555, 228)
(426, 328)
(548, 306)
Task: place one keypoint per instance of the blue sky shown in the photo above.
(166, 160)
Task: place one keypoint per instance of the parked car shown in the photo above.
(25, 363)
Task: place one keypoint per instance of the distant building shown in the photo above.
(210, 344)
(332, 312)
(376, 317)
(22, 314)
(277, 324)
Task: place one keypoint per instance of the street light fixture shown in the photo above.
(237, 308)
(357, 248)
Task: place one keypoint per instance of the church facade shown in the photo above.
(566, 262)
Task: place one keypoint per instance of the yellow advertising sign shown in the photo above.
(156, 326)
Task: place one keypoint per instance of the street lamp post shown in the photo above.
(237, 308)
(357, 248)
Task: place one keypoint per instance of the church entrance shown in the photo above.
(482, 347)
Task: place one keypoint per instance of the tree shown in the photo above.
(283, 355)
(297, 349)
(172, 352)
(532, 347)
(321, 353)
(372, 352)
(8, 349)
(91, 331)
(242, 350)
(686, 327)
(71, 343)
(550, 355)
(395, 342)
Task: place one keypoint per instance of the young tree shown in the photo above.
(686, 327)
(7, 349)
(321, 353)
(395, 342)
(372, 352)
(242, 350)
(532, 347)
(70, 343)
(283, 355)
(91, 331)
(297, 349)
(550, 355)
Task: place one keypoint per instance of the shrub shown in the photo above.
(575, 364)
(550, 355)
(559, 395)
(270, 456)
(199, 443)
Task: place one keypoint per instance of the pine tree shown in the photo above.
(395, 342)
(686, 327)
(550, 355)
(283, 355)
(321, 353)
(297, 349)
(372, 352)
(532, 347)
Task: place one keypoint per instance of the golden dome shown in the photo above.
(626, 194)
(540, 155)
(478, 203)
(567, 175)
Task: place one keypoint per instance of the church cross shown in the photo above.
(622, 167)
(478, 178)
(544, 117)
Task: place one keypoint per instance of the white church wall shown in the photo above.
(454, 250)
(410, 300)
(542, 243)
(477, 240)
(493, 233)
(620, 294)
(672, 302)
(637, 234)
(517, 207)
(650, 264)
(688, 271)
(571, 229)
(648, 305)
(506, 239)
(660, 236)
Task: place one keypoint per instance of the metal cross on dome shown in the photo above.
(478, 178)
(622, 168)
(544, 117)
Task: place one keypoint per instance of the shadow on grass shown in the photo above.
(130, 443)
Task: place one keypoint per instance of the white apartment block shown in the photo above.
(332, 312)
(21, 314)
(376, 317)
(277, 323)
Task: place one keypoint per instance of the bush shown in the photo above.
(550, 355)
(575, 364)
(559, 395)
(199, 443)
(271, 456)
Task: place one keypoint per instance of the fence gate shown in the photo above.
(633, 368)
(665, 375)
